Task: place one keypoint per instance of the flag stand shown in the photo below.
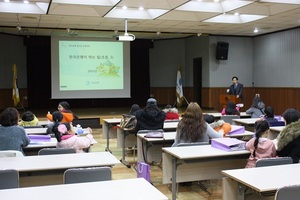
(187, 102)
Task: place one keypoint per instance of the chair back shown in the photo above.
(9, 178)
(228, 118)
(11, 153)
(50, 151)
(274, 161)
(192, 144)
(288, 193)
(277, 123)
(80, 175)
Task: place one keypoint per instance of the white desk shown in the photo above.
(126, 189)
(125, 139)
(108, 131)
(36, 131)
(218, 115)
(193, 163)
(262, 180)
(40, 145)
(149, 149)
(44, 123)
(59, 161)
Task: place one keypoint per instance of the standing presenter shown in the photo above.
(236, 88)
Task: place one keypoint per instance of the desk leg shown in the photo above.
(241, 191)
(123, 160)
(107, 138)
(174, 184)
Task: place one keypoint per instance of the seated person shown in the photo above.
(64, 108)
(12, 136)
(151, 117)
(134, 108)
(171, 113)
(231, 109)
(192, 127)
(269, 114)
(260, 146)
(66, 138)
(28, 119)
(57, 118)
(220, 126)
(257, 108)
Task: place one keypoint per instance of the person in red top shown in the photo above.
(64, 108)
(171, 113)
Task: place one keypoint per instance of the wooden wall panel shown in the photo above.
(279, 98)
(7, 101)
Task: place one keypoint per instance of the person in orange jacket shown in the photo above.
(64, 108)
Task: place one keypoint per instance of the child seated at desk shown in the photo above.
(230, 109)
(220, 126)
(260, 146)
(28, 119)
(66, 138)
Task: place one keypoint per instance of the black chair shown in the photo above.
(50, 151)
(80, 175)
(9, 178)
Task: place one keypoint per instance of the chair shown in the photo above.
(80, 175)
(229, 118)
(50, 151)
(274, 161)
(277, 123)
(11, 153)
(288, 193)
(9, 178)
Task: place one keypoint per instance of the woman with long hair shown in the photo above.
(192, 127)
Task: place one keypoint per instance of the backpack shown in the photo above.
(128, 122)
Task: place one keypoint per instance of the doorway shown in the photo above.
(197, 80)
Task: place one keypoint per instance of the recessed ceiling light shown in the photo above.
(236, 14)
(141, 8)
(6, 1)
(124, 7)
(255, 30)
(216, 1)
(26, 2)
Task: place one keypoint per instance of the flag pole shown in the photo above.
(179, 91)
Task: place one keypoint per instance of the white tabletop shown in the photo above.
(247, 121)
(199, 152)
(219, 115)
(125, 189)
(167, 136)
(266, 179)
(44, 123)
(51, 143)
(170, 125)
(36, 131)
(112, 121)
(59, 161)
(277, 128)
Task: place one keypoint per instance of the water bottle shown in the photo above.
(79, 129)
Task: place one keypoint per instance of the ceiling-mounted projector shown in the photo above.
(125, 37)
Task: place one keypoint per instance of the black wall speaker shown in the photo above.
(222, 51)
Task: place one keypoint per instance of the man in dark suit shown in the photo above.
(236, 88)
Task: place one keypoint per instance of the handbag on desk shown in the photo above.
(143, 171)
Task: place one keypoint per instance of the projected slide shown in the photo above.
(90, 65)
(84, 68)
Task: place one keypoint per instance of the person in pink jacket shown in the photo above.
(67, 139)
(260, 146)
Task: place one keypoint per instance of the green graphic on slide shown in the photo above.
(108, 69)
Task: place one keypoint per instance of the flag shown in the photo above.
(15, 92)
(179, 91)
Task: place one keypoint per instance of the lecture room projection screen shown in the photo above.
(89, 68)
